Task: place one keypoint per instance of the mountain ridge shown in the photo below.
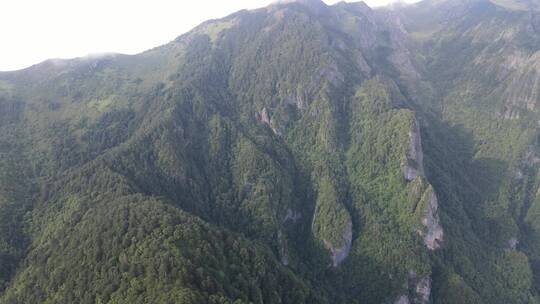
(281, 156)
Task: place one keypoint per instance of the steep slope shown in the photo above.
(299, 153)
(474, 55)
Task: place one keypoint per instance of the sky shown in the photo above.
(32, 31)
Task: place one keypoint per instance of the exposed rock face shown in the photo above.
(434, 234)
(283, 249)
(264, 117)
(419, 290)
(339, 254)
(422, 291)
(412, 168)
(511, 112)
(414, 163)
(402, 300)
(401, 55)
(292, 216)
(522, 87)
(512, 243)
(511, 63)
(299, 101)
(285, 259)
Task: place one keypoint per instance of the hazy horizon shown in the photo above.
(62, 29)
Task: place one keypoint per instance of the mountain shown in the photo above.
(297, 153)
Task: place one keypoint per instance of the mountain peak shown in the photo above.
(356, 7)
(316, 5)
(305, 2)
(518, 5)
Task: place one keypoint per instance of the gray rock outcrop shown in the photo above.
(413, 165)
(340, 254)
(265, 117)
(418, 290)
(433, 233)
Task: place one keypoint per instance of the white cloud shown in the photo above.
(35, 30)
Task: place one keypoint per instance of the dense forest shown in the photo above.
(297, 153)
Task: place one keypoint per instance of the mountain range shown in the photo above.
(297, 153)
